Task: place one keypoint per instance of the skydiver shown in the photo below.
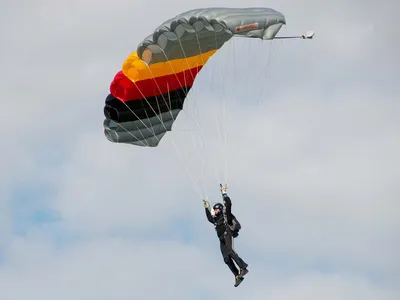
(227, 228)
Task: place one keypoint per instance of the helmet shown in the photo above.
(218, 206)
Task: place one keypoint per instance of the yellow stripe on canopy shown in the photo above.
(136, 69)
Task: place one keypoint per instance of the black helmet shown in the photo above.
(218, 206)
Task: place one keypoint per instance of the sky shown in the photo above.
(311, 153)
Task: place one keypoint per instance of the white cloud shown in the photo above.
(313, 168)
(116, 267)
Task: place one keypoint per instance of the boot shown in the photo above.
(243, 272)
(238, 280)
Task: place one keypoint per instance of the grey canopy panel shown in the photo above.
(201, 30)
(146, 132)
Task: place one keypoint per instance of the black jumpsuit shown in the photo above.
(225, 236)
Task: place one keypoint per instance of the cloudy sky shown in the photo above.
(312, 158)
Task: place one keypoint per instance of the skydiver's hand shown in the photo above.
(223, 188)
(206, 204)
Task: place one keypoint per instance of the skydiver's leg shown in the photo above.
(232, 253)
(227, 259)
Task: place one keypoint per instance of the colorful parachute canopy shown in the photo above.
(148, 93)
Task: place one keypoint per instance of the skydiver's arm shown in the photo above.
(209, 216)
(228, 207)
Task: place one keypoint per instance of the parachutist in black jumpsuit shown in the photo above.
(226, 236)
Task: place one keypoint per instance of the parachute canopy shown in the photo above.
(148, 93)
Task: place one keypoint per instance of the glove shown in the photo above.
(223, 188)
(206, 204)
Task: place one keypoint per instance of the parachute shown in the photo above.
(150, 90)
